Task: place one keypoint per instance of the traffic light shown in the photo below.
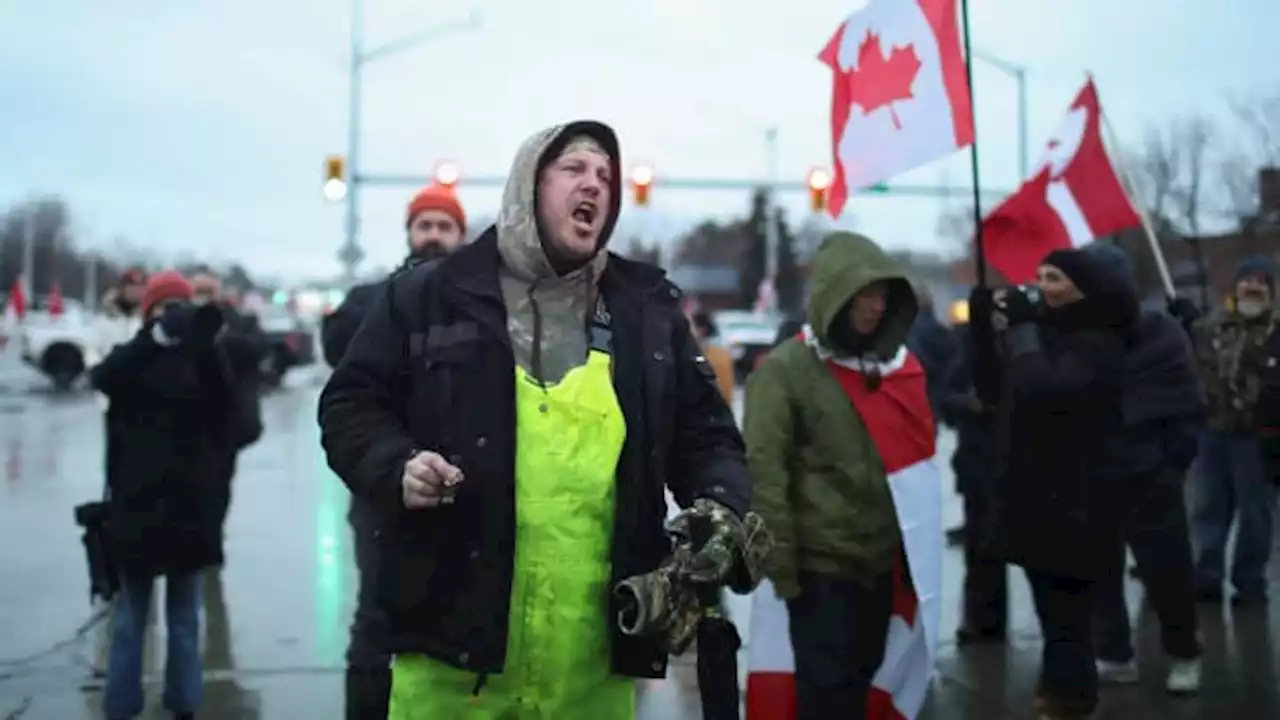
(641, 182)
(335, 178)
(819, 184)
(447, 174)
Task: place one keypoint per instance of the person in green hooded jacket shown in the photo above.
(515, 414)
(821, 487)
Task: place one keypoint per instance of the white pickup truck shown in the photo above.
(63, 348)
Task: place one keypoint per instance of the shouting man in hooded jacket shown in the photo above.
(515, 414)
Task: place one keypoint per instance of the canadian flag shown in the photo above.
(1071, 199)
(899, 94)
(15, 310)
(898, 418)
(56, 306)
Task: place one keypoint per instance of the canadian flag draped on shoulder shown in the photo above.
(900, 92)
(897, 416)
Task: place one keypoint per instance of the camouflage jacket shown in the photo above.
(1232, 354)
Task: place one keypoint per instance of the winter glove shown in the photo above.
(205, 324)
(665, 601)
(1022, 305)
(1184, 311)
(714, 561)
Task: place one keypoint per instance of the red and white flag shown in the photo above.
(15, 309)
(56, 306)
(1073, 198)
(898, 418)
(899, 94)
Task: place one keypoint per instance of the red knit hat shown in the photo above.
(167, 285)
(439, 198)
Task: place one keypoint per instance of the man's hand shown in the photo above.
(429, 481)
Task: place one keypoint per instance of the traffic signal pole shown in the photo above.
(351, 254)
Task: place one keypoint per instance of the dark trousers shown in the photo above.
(838, 629)
(368, 682)
(1068, 675)
(986, 579)
(1231, 484)
(1153, 523)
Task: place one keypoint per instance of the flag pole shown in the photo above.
(1148, 229)
(979, 250)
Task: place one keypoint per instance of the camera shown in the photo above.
(1021, 303)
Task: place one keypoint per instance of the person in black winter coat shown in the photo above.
(934, 346)
(1146, 467)
(169, 415)
(985, 606)
(1062, 402)
(436, 226)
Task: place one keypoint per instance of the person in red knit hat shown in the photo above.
(168, 391)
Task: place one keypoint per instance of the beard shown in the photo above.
(430, 251)
(1251, 307)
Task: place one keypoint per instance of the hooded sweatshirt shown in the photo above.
(820, 484)
(548, 311)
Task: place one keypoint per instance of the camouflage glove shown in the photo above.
(658, 603)
(714, 561)
(733, 556)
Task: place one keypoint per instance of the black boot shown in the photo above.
(368, 693)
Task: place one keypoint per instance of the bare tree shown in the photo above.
(1256, 145)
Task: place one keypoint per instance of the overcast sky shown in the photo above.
(203, 125)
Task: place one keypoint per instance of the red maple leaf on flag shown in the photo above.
(878, 81)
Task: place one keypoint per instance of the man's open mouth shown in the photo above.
(585, 212)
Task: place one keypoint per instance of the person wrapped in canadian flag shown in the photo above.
(840, 441)
(1063, 344)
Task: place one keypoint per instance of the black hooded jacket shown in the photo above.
(1061, 406)
(1164, 402)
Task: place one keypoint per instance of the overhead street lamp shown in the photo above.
(1018, 73)
(351, 254)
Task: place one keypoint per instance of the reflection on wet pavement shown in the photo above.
(276, 617)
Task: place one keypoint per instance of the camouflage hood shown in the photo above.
(547, 312)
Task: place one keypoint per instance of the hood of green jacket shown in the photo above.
(846, 263)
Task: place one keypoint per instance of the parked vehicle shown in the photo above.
(748, 335)
(290, 343)
(61, 348)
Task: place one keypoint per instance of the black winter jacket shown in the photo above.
(1063, 400)
(438, 377)
(170, 413)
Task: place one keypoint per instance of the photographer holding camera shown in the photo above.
(170, 412)
(1064, 344)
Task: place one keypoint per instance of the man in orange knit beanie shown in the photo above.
(436, 226)
(436, 223)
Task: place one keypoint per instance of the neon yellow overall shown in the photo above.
(568, 439)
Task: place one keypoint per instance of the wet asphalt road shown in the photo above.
(276, 618)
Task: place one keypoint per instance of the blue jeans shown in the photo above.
(183, 672)
(1230, 485)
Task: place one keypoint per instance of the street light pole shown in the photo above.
(1019, 74)
(770, 206)
(351, 254)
